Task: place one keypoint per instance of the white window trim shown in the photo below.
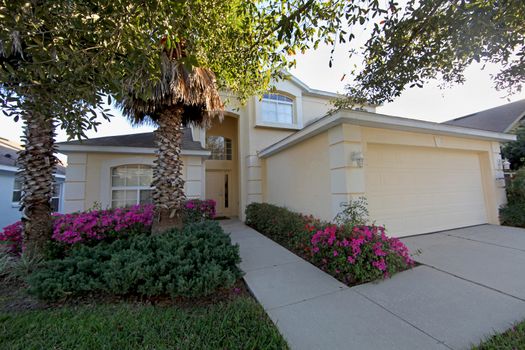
(129, 188)
(105, 176)
(296, 124)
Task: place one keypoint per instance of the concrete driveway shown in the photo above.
(470, 285)
(487, 255)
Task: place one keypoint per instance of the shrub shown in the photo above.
(196, 210)
(97, 225)
(513, 213)
(194, 262)
(11, 237)
(278, 223)
(93, 226)
(516, 188)
(358, 254)
(355, 212)
(351, 253)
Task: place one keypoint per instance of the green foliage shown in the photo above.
(240, 324)
(354, 213)
(513, 213)
(17, 267)
(425, 39)
(516, 188)
(193, 262)
(278, 223)
(352, 254)
(513, 338)
(515, 151)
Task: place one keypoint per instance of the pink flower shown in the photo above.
(336, 253)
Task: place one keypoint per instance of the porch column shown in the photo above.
(347, 174)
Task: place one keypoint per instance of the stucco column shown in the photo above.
(347, 176)
(75, 184)
(254, 179)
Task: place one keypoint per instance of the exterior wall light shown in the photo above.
(358, 158)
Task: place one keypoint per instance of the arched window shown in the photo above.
(220, 147)
(277, 108)
(130, 185)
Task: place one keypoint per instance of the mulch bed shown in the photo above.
(14, 298)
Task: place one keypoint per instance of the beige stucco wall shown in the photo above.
(299, 178)
(88, 177)
(325, 170)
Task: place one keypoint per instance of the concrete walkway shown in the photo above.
(424, 308)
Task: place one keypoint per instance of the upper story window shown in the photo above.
(277, 108)
(55, 196)
(220, 147)
(130, 185)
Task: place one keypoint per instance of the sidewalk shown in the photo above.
(418, 309)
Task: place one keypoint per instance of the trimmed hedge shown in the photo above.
(513, 213)
(351, 253)
(191, 263)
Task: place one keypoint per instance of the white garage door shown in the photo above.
(414, 190)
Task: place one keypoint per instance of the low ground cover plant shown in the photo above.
(353, 253)
(192, 262)
(512, 339)
(239, 324)
(513, 213)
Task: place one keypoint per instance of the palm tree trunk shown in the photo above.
(168, 195)
(37, 164)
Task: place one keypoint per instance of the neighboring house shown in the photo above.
(10, 187)
(287, 149)
(503, 118)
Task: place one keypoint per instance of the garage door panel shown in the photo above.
(417, 190)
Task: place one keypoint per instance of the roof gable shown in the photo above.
(143, 140)
(498, 119)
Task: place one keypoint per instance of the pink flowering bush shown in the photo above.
(93, 226)
(100, 225)
(87, 227)
(358, 254)
(11, 237)
(196, 210)
(351, 253)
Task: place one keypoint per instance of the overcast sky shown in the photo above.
(427, 103)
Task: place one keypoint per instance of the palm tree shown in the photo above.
(37, 163)
(182, 96)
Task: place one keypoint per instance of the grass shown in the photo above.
(512, 339)
(238, 324)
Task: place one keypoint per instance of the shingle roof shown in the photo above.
(146, 140)
(498, 119)
(9, 155)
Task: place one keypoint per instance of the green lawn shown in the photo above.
(239, 324)
(512, 339)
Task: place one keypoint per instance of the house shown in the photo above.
(503, 118)
(10, 189)
(288, 149)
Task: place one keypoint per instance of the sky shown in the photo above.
(428, 103)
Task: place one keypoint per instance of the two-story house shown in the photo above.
(287, 149)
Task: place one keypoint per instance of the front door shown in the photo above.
(218, 189)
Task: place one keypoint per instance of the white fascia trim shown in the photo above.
(121, 149)
(14, 169)
(312, 92)
(376, 120)
(9, 168)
